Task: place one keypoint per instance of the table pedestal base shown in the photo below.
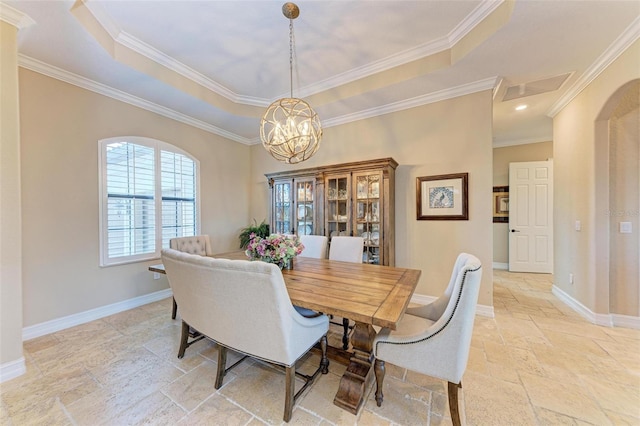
(355, 380)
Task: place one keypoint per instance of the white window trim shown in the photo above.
(157, 146)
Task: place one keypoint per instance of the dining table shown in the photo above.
(367, 294)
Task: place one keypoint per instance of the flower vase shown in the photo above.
(289, 265)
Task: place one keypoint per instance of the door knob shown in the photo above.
(514, 230)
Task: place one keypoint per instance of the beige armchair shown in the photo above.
(244, 306)
(346, 249)
(197, 244)
(434, 339)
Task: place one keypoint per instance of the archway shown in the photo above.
(617, 156)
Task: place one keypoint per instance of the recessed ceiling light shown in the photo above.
(521, 107)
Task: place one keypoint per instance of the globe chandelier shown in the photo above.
(290, 129)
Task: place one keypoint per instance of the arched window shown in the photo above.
(149, 193)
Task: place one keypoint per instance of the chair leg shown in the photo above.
(345, 336)
(453, 402)
(324, 361)
(183, 339)
(379, 371)
(222, 365)
(289, 392)
(174, 310)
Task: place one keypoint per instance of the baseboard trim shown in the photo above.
(12, 369)
(625, 321)
(58, 324)
(482, 310)
(501, 266)
(605, 320)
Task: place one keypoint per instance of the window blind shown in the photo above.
(130, 199)
(178, 186)
(149, 195)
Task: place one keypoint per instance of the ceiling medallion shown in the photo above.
(290, 129)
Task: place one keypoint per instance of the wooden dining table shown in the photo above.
(370, 295)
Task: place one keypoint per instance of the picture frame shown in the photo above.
(442, 197)
(500, 204)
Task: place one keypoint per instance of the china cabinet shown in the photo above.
(293, 206)
(354, 199)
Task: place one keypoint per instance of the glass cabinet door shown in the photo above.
(367, 215)
(282, 206)
(338, 197)
(305, 212)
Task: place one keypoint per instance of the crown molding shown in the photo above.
(102, 89)
(127, 40)
(14, 17)
(630, 35)
(514, 142)
(430, 98)
(482, 11)
(419, 52)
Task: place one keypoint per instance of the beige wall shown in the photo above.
(61, 125)
(10, 204)
(501, 158)
(451, 136)
(624, 204)
(580, 151)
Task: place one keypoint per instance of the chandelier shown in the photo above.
(290, 129)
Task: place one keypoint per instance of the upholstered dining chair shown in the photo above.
(346, 249)
(434, 339)
(197, 244)
(244, 306)
(314, 246)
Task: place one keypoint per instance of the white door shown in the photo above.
(531, 216)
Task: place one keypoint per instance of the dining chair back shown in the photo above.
(314, 246)
(346, 249)
(197, 244)
(435, 339)
(244, 306)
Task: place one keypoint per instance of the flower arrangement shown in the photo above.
(276, 248)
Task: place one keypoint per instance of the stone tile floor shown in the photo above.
(536, 363)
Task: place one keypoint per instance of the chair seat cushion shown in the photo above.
(306, 312)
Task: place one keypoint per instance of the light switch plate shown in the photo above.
(578, 225)
(625, 227)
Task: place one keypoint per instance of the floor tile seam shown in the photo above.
(246, 410)
(66, 412)
(186, 412)
(532, 406)
(596, 398)
(430, 391)
(593, 398)
(50, 335)
(313, 413)
(135, 371)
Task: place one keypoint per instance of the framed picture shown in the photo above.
(442, 197)
(500, 204)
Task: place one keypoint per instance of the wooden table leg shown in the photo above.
(354, 381)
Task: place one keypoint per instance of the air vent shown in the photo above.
(545, 85)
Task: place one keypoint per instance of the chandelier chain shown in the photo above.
(291, 57)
